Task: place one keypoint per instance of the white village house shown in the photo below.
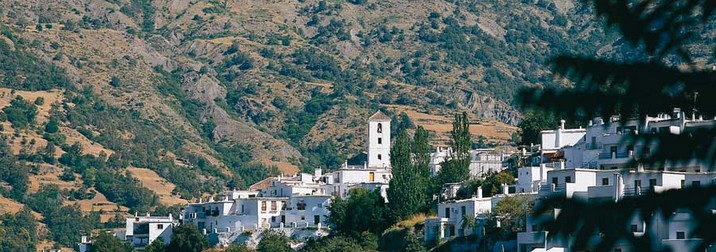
(595, 168)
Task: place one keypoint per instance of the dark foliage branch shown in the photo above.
(662, 26)
(581, 219)
(637, 90)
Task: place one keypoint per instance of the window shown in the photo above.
(380, 157)
(273, 206)
(463, 210)
(696, 183)
(316, 219)
(380, 128)
(371, 176)
(447, 212)
(160, 226)
(568, 179)
(634, 228)
(303, 217)
(680, 235)
(605, 181)
(452, 230)
(554, 180)
(652, 183)
(301, 205)
(683, 182)
(534, 228)
(263, 206)
(380, 140)
(273, 218)
(637, 183)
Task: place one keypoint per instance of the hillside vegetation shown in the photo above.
(133, 105)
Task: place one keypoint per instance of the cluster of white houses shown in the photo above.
(591, 164)
(296, 205)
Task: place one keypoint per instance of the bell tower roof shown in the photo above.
(379, 116)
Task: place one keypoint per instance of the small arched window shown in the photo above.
(380, 128)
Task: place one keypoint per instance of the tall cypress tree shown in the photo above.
(457, 167)
(421, 152)
(407, 193)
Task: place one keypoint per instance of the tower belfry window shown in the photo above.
(380, 128)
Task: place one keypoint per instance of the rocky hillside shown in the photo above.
(133, 105)
(208, 94)
(269, 75)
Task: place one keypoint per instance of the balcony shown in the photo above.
(681, 244)
(531, 237)
(615, 155)
(636, 191)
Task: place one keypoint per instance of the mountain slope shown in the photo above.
(216, 89)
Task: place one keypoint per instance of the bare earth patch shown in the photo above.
(157, 184)
(100, 203)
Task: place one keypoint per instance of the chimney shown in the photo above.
(505, 189)
(318, 172)
(479, 192)
(561, 124)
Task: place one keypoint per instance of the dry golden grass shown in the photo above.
(88, 146)
(441, 124)
(157, 184)
(51, 175)
(410, 222)
(100, 203)
(283, 167)
(9, 206)
(43, 111)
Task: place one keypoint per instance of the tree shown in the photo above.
(273, 241)
(105, 242)
(532, 123)
(236, 247)
(156, 246)
(457, 166)
(51, 126)
(20, 113)
(493, 183)
(19, 231)
(186, 237)
(363, 211)
(406, 193)
(512, 212)
(664, 78)
(334, 244)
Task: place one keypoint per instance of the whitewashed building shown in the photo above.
(143, 230)
(293, 204)
(596, 168)
(482, 160)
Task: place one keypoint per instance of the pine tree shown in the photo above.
(407, 193)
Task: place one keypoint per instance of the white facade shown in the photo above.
(143, 230)
(603, 147)
(482, 161)
(451, 214)
(379, 141)
(554, 140)
(614, 185)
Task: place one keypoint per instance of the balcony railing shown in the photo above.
(614, 155)
(636, 191)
